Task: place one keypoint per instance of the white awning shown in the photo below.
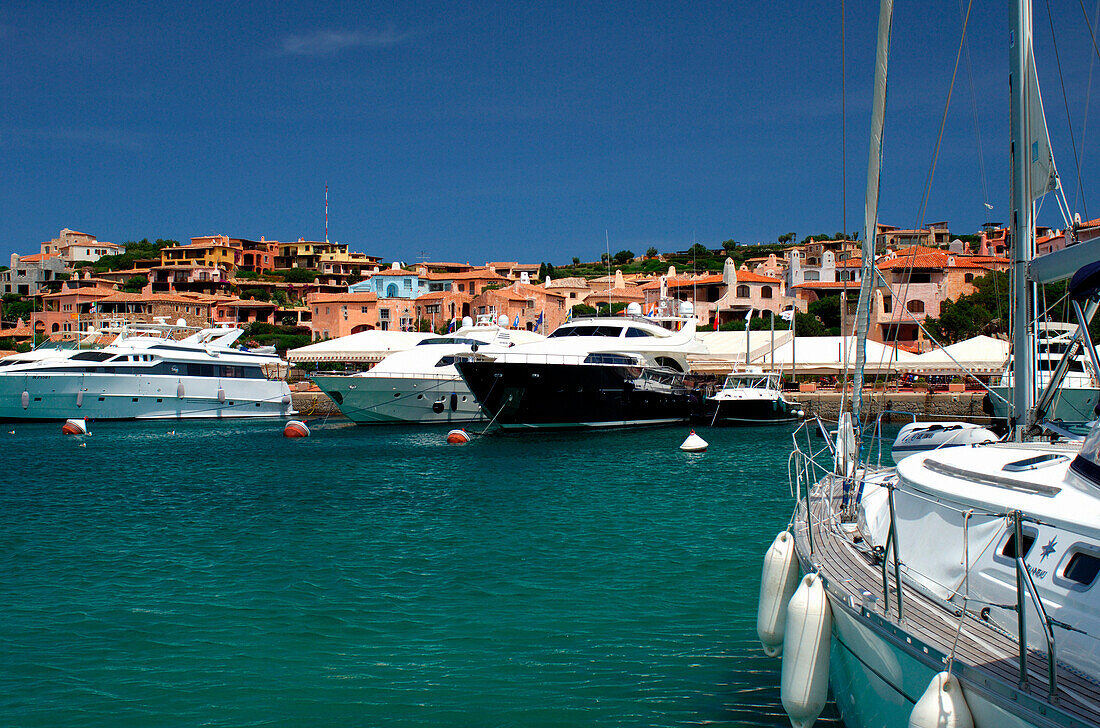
(980, 355)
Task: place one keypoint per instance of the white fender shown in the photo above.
(777, 584)
(179, 390)
(942, 705)
(804, 686)
(80, 399)
(25, 399)
(221, 395)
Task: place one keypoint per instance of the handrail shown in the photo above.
(1024, 582)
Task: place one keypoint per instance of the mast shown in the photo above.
(870, 207)
(1022, 220)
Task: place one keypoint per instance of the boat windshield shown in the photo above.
(450, 340)
(1087, 462)
(611, 331)
(751, 381)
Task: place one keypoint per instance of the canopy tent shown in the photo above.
(807, 354)
(980, 355)
(366, 346)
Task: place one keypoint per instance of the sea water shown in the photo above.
(218, 574)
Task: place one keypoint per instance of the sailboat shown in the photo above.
(958, 588)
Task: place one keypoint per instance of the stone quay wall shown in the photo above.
(958, 406)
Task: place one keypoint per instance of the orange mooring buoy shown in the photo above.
(75, 427)
(458, 437)
(296, 428)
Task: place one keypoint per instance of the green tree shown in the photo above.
(729, 246)
(258, 294)
(827, 311)
(624, 256)
(786, 238)
(576, 261)
(299, 275)
(699, 251)
(582, 309)
(134, 284)
(652, 252)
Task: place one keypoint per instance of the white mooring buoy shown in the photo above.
(694, 443)
(804, 684)
(942, 705)
(777, 584)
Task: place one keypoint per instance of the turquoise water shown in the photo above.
(225, 576)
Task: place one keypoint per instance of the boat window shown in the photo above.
(1082, 568)
(450, 340)
(634, 332)
(91, 356)
(1039, 461)
(666, 361)
(445, 361)
(1009, 549)
(601, 358)
(612, 331)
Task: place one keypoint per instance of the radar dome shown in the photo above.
(181, 322)
(467, 321)
(687, 308)
(634, 309)
(503, 321)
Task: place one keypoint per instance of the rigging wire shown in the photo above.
(943, 121)
(1088, 98)
(1065, 101)
(977, 127)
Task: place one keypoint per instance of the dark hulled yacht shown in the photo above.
(599, 372)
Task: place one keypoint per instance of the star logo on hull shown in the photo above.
(1048, 549)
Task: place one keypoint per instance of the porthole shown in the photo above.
(396, 394)
(1009, 549)
(1081, 568)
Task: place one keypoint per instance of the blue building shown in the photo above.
(392, 283)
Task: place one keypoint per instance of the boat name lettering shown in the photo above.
(1036, 572)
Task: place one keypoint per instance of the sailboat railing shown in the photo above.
(1024, 584)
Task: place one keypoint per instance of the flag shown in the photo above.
(515, 324)
(748, 316)
(451, 326)
(569, 315)
(538, 322)
(787, 315)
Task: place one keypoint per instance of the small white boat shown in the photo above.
(922, 436)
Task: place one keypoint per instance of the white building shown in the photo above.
(73, 247)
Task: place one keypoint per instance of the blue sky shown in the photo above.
(487, 131)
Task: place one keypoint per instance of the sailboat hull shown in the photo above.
(1073, 404)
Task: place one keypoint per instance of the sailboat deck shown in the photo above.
(849, 572)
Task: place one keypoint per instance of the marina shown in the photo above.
(405, 582)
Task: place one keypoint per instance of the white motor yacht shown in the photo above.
(146, 373)
(421, 384)
(750, 397)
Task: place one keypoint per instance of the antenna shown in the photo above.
(326, 211)
(607, 245)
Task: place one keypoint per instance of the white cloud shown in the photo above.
(329, 42)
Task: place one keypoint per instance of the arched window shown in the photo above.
(914, 306)
(766, 292)
(391, 290)
(55, 327)
(742, 291)
(969, 277)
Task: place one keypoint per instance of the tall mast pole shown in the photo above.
(870, 207)
(326, 212)
(1022, 220)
